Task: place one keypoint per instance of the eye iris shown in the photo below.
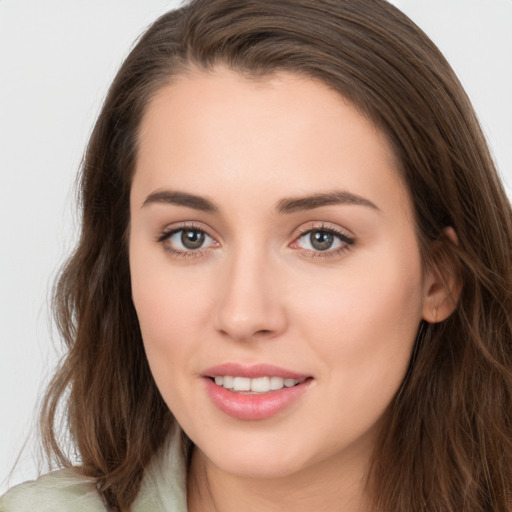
(321, 240)
(192, 239)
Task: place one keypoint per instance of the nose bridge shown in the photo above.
(248, 302)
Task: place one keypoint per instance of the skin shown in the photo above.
(257, 291)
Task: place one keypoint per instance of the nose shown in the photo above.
(249, 303)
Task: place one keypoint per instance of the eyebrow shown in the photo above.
(284, 206)
(311, 202)
(181, 199)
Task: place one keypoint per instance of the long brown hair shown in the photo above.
(446, 443)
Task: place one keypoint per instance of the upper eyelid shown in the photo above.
(323, 226)
(339, 233)
(181, 226)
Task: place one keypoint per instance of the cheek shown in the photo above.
(363, 322)
(168, 323)
(361, 330)
(166, 297)
(169, 313)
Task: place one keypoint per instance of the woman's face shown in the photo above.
(272, 244)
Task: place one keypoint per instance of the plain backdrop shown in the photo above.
(57, 59)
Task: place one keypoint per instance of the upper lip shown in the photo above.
(252, 371)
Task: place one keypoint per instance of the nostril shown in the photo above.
(263, 332)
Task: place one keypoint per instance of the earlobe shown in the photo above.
(443, 283)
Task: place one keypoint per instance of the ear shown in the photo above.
(443, 283)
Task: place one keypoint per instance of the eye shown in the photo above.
(186, 240)
(324, 240)
(189, 239)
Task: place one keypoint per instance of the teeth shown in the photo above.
(260, 385)
(276, 383)
(228, 382)
(257, 385)
(242, 384)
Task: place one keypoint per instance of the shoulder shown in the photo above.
(60, 491)
(163, 487)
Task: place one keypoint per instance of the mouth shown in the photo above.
(255, 392)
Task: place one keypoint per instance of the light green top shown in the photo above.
(163, 488)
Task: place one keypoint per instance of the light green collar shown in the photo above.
(164, 486)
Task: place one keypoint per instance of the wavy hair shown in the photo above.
(446, 441)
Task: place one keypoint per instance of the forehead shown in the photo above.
(221, 131)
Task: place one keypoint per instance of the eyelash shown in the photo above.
(168, 233)
(347, 241)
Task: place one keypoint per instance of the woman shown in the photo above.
(295, 247)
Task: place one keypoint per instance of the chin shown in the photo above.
(266, 467)
(257, 458)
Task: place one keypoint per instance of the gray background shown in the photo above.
(57, 59)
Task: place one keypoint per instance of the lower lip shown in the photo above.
(245, 406)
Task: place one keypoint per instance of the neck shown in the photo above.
(330, 485)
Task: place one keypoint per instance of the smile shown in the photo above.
(255, 392)
(256, 385)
